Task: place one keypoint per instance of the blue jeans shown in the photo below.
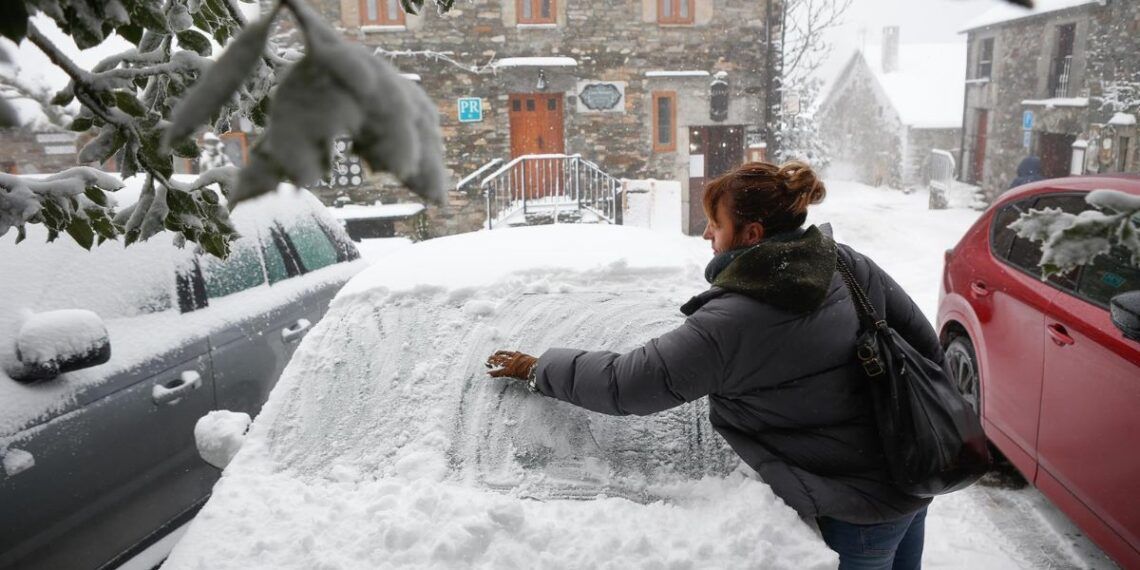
(893, 545)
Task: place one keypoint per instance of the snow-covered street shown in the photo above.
(385, 445)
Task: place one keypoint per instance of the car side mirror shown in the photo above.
(55, 342)
(1125, 311)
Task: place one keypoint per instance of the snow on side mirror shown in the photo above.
(219, 435)
(55, 342)
(1125, 310)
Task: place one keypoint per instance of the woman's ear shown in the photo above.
(753, 233)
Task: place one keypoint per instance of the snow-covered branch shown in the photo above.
(806, 24)
(1071, 240)
(444, 56)
(146, 103)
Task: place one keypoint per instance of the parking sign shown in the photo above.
(470, 109)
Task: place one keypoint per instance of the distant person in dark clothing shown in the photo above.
(1028, 171)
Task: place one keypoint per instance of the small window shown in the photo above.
(1108, 276)
(381, 13)
(535, 11)
(985, 59)
(674, 11)
(516, 105)
(240, 271)
(664, 121)
(552, 104)
(312, 245)
(530, 104)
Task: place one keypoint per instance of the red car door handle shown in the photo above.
(979, 288)
(1060, 335)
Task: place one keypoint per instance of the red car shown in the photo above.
(1056, 381)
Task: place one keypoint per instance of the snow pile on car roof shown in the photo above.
(570, 251)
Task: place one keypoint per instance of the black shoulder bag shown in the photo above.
(932, 439)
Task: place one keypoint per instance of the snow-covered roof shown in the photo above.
(1005, 13)
(927, 90)
(377, 211)
(677, 73)
(557, 61)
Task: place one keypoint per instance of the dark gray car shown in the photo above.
(99, 458)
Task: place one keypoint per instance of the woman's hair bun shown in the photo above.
(802, 184)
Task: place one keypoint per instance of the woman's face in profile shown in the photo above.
(723, 233)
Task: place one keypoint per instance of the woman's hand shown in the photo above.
(510, 364)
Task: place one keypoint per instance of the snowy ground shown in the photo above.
(385, 445)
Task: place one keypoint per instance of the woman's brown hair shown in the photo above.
(775, 196)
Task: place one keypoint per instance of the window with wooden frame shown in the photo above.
(664, 121)
(674, 11)
(985, 59)
(381, 13)
(535, 11)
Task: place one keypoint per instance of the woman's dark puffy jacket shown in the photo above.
(772, 344)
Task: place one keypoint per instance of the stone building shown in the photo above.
(890, 107)
(666, 89)
(1061, 83)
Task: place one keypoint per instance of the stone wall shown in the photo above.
(1104, 52)
(862, 129)
(613, 42)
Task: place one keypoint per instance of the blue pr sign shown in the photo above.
(1027, 120)
(470, 109)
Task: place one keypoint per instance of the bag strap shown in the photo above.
(863, 307)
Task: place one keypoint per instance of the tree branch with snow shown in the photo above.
(146, 104)
(1071, 240)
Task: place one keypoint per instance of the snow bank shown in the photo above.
(578, 251)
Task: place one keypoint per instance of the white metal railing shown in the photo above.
(551, 182)
(479, 172)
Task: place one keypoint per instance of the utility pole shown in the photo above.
(774, 65)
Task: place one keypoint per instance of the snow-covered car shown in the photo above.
(109, 357)
(386, 445)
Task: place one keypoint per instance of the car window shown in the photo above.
(240, 271)
(1001, 235)
(312, 245)
(1023, 253)
(1108, 276)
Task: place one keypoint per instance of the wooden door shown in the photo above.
(1056, 154)
(714, 151)
(980, 145)
(536, 128)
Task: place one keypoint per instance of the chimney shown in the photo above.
(890, 49)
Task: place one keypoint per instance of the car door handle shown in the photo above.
(1060, 335)
(296, 331)
(171, 392)
(979, 288)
